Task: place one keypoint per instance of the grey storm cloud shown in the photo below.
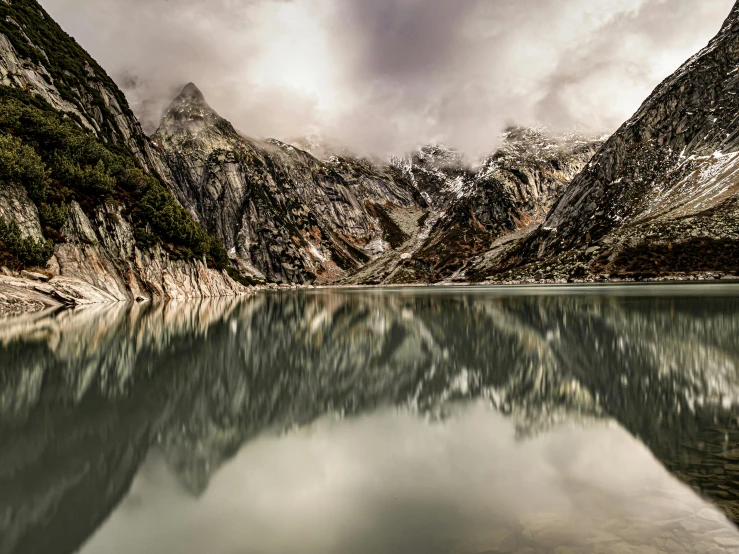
(382, 76)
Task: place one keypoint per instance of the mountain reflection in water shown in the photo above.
(442, 420)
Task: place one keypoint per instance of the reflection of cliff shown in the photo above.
(82, 400)
(64, 470)
(85, 394)
(667, 369)
(103, 348)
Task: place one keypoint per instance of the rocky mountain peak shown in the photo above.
(191, 122)
(189, 103)
(191, 94)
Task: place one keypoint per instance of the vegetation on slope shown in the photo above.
(57, 161)
(38, 38)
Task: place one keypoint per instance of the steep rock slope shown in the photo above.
(661, 197)
(47, 79)
(37, 56)
(282, 213)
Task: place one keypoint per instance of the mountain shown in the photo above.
(290, 217)
(282, 213)
(661, 197)
(84, 198)
(119, 215)
(199, 204)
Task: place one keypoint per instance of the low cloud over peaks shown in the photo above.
(385, 76)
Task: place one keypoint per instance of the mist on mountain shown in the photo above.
(388, 76)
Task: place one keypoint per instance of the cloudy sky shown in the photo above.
(384, 76)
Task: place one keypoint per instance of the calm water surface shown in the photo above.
(460, 421)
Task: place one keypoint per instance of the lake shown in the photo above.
(422, 420)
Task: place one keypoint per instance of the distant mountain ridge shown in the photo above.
(510, 191)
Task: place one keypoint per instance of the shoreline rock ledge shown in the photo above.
(28, 292)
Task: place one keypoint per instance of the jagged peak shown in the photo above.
(732, 19)
(191, 92)
(189, 116)
(190, 97)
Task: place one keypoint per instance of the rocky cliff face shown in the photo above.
(99, 262)
(102, 251)
(661, 197)
(96, 255)
(282, 213)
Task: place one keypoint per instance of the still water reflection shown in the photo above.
(435, 421)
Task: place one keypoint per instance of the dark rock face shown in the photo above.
(282, 213)
(439, 173)
(660, 197)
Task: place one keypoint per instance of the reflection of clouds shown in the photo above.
(392, 482)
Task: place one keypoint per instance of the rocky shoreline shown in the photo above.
(29, 292)
(34, 292)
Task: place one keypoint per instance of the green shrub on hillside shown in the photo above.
(15, 249)
(21, 164)
(93, 181)
(155, 207)
(53, 216)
